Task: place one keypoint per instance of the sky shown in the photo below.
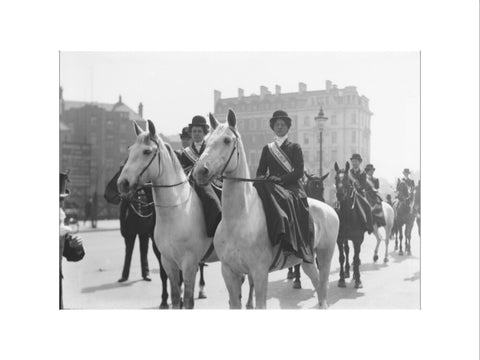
(175, 86)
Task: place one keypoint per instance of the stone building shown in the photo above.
(346, 131)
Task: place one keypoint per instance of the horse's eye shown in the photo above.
(227, 141)
(147, 152)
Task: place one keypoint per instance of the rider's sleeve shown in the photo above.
(262, 166)
(297, 163)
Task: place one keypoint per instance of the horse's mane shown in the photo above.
(146, 138)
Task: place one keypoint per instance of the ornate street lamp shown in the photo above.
(320, 120)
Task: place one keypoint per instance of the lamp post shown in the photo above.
(320, 120)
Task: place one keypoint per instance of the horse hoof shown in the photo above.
(385, 260)
(358, 284)
(249, 307)
(409, 252)
(347, 274)
(341, 283)
(164, 306)
(290, 275)
(375, 258)
(297, 284)
(400, 253)
(396, 248)
(201, 295)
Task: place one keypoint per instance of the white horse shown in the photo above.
(241, 240)
(180, 231)
(389, 220)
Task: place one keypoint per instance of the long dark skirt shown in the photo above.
(375, 202)
(211, 205)
(288, 220)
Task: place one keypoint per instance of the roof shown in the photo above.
(117, 107)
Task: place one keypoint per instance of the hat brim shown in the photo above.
(65, 194)
(205, 126)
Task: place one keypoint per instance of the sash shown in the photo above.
(191, 155)
(280, 156)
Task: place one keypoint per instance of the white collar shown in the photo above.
(198, 146)
(280, 140)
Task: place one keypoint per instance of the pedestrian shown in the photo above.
(88, 210)
(94, 210)
(71, 247)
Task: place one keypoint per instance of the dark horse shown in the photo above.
(404, 208)
(351, 225)
(314, 189)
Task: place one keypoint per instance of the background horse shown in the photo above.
(389, 220)
(351, 226)
(405, 217)
(241, 240)
(180, 231)
(314, 188)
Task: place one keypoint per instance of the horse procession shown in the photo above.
(201, 205)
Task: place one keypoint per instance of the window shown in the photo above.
(305, 138)
(334, 156)
(353, 118)
(334, 119)
(354, 137)
(306, 121)
(334, 137)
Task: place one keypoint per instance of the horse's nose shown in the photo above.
(204, 170)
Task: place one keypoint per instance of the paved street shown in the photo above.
(92, 282)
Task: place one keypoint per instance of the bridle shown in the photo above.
(151, 185)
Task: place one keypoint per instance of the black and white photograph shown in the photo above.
(303, 176)
(282, 194)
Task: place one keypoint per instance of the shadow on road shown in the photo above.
(399, 258)
(288, 297)
(108, 286)
(335, 293)
(414, 277)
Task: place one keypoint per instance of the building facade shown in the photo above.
(94, 138)
(346, 131)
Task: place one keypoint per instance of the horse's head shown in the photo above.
(315, 187)
(141, 166)
(221, 154)
(342, 182)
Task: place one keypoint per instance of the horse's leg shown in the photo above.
(388, 231)
(163, 277)
(297, 283)
(347, 262)
(250, 293)
(233, 281)
(173, 273)
(379, 240)
(341, 259)
(408, 236)
(201, 293)
(357, 244)
(312, 273)
(396, 236)
(324, 262)
(260, 281)
(400, 230)
(290, 274)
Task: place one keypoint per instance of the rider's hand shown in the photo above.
(76, 241)
(275, 179)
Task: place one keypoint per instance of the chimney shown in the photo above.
(328, 84)
(140, 110)
(217, 95)
(120, 99)
(302, 87)
(278, 89)
(240, 93)
(263, 91)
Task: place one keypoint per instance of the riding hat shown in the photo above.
(200, 121)
(185, 133)
(64, 192)
(356, 157)
(369, 167)
(280, 114)
(406, 171)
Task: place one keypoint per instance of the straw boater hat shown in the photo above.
(280, 114)
(369, 167)
(356, 157)
(200, 121)
(185, 133)
(64, 192)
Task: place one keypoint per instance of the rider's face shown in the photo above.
(280, 128)
(355, 163)
(197, 134)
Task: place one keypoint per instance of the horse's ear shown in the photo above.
(325, 176)
(347, 166)
(337, 169)
(151, 129)
(232, 119)
(137, 129)
(213, 121)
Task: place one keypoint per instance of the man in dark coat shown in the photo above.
(186, 139)
(209, 198)
(373, 198)
(406, 187)
(359, 180)
(284, 199)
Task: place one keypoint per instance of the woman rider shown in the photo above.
(284, 198)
